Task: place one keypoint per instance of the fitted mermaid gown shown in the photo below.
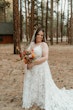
(39, 88)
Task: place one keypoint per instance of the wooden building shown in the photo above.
(6, 33)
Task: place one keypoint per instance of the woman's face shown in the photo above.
(39, 37)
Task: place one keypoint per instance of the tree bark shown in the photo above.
(16, 24)
(42, 13)
(32, 17)
(57, 21)
(71, 25)
(51, 23)
(46, 18)
(21, 20)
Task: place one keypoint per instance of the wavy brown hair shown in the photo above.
(37, 31)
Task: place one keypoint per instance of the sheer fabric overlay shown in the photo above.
(39, 88)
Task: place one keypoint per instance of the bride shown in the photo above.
(39, 87)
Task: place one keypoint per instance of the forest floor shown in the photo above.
(12, 73)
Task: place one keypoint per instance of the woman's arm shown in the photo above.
(44, 55)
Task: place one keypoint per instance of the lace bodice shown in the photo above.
(38, 51)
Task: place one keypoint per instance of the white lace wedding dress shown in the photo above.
(39, 88)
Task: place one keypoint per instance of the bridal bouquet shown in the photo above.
(27, 56)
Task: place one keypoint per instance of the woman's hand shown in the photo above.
(30, 65)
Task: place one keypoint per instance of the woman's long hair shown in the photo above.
(37, 31)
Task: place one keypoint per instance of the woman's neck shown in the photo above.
(38, 42)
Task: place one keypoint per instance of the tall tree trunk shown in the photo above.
(57, 21)
(61, 23)
(46, 18)
(37, 13)
(32, 17)
(62, 19)
(71, 24)
(16, 20)
(21, 20)
(26, 21)
(29, 29)
(51, 24)
(42, 13)
(68, 22)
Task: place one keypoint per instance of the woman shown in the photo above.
(39, 88)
